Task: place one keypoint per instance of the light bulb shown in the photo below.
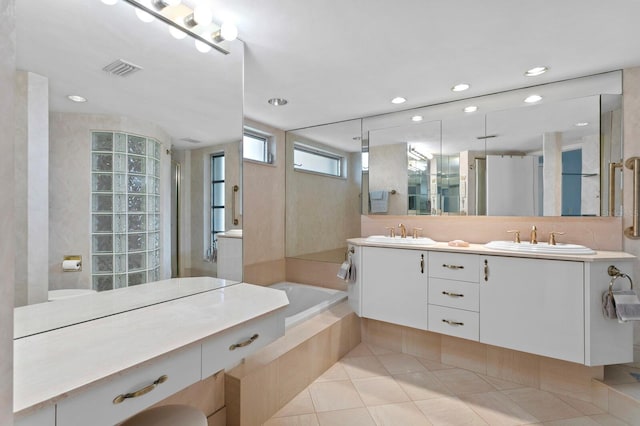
(470, 108)
(176, 33)
(398, 100)
(110, 2)
(145, 16)
(460, 87)
(202, 47)
(417, 118)
(228, 31)
(172, 2)
(202, 15)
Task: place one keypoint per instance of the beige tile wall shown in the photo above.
(561, 377)
(321, 274)
(7, 218)
(269, 379)
(264, 210)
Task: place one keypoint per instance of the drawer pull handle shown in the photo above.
(120, 398)
(446, 293)
(444, 265)
(247, 342)
(455, 323)
(422, 263)
(486, 270)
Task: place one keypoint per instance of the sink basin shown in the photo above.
(399, 240)
(542, 248)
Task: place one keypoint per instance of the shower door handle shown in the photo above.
(236, 188)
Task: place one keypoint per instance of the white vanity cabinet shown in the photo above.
(43, 417)
(394, 286)
(454, 294)
(354, 289)
(553, 308)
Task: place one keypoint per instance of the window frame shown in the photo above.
(308, 149)
(267, 140)
(212, 205)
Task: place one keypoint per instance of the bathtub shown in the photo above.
(306, 301)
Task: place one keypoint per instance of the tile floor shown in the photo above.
(374, 386)
(625, 378)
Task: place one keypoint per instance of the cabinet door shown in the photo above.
(533, 305)
(394, 286)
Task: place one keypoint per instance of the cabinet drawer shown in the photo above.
(96, 406)
(454, 294)
(227, 349)
(454, 266)
(461, 323)
(43, 417)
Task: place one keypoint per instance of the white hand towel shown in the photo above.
(380, 205)
(627, 305)
(343, 273)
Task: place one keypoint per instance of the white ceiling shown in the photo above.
(333, 60)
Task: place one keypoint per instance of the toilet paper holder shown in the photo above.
(72, 263)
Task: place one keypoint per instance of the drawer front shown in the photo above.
(454, 266)
(461, 323)
(227, 349)
(95, 406)
(454, 294)
(43, 417)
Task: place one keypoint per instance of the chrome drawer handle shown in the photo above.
(444, 265)
(455, 323)
(446, 293)
(120, 398)
(247, 342)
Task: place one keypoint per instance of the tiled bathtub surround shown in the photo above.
(377, 386)
(268, 380)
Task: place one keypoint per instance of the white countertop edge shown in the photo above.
(48, 369)
(481, 249)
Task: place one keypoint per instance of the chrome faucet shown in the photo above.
(534, 235)
(403, 231)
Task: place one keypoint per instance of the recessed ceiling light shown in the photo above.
(470, 108)
(76, 98)
(278, 101)
(417, 118)
(533, 99)
(398, 100)
(536, 71)
(581, 124)
(460, 87)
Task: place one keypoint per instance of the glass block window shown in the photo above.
(125, 210)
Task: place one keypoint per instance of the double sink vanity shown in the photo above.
(542, 298)
(104, 370)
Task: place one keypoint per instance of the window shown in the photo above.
(314, 160)
(256, 147)
(217, 196)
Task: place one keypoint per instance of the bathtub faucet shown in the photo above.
(403, 231)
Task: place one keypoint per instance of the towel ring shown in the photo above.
(614, 278)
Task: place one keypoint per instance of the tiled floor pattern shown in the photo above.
(373, 386)
(624, 378)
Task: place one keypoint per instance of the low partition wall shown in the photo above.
(269, 379)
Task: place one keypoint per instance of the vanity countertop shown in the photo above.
(40, 317)
(481, 249)
(54, 365)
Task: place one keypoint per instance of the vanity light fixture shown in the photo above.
(76, 98)
(470, 108)
(536, 71)
(398, 100)
(460, 87)
(278, 101)
(417, 118)
(532, 99)
(182, 20)
(581, 124)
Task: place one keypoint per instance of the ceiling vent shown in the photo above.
(121, 68)
(190, 140)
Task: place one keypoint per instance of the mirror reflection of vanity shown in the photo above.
(506, 158)
(127, 175)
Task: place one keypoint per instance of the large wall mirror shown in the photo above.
(323, 182)
(143, 177)
(501, 156)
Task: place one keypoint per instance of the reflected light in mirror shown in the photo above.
(536, 71)
(460, 87)
(398, 100)
(144, 16)
(470, 108)
(202, 47)
(417, 118)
